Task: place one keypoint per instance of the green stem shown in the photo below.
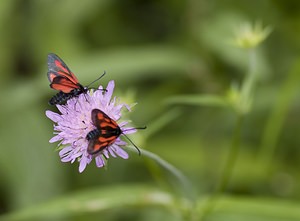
(185, 184)
(228, 169)
(233, 153)
(243, 107)
(277, 116)
(249, 83)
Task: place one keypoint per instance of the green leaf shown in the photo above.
(96, 200)
(30, 170)
(103, 199)
(161, 122)
(199, 100)
(126, 64)
(274, 126)
(254, 209)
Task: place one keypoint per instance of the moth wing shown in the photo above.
(107, 128)
(95, 146)
(57, 68)
(63, 84)
(102, 121)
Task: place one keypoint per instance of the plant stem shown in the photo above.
(228, 168)
(277, 116)
(243, 107)
(247, 89)
(185, 184)
(232, 157)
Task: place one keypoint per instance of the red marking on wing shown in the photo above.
(102, 121)
(105, 121)
(95, 146)
(63, 84)
(58, 69)
(108, 124)
(108, 140)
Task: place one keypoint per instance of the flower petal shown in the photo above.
(105, 153)
(66, 154)
(111, 151)
(55, 139)
(53, 116)
(62, 109)
(99, 161)
(120, 152)
(84, 161)
(129, 130)
(110, 89)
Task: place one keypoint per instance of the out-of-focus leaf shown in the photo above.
(29, 167)
(7, 41)
(161, 122)
(109, 198)
(23, 95)
(132, 63)
(97, 200)
(199, 100)
(274, 126)
(254, 209)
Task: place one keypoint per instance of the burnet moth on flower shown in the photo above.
(62, 79)
(105, 134)
(73, 122)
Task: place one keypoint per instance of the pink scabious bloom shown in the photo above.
(74, 122)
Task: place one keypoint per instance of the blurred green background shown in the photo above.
(154, 50)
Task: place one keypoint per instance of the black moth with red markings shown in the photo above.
(62, 79)
(106, 133)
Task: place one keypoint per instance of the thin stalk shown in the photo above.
(247, 89)
(277, 116)
(243, 107)
(183, 182)
(232, 157)
(228, 169)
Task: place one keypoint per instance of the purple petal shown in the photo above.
(72, 102)
(76, 155)
(99, 161)
(55, 139)
(62, 109)
(120, 142)
(65, 150)
(105, 153)
(53, 116)
(120, 152)
(82, 164)
(111, 151)
(110, 89)
(129, 130)
(66, 159)
(122, 124)
(128, 107)
(99, 93)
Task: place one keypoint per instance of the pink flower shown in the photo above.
(74, 122)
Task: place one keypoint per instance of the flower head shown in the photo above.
(74, 122)
(249, 36)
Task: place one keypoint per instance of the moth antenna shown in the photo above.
(137, 128)
(96, 79)
(133, 144)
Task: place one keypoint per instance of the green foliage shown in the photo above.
(224, 116)
(136, 198)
